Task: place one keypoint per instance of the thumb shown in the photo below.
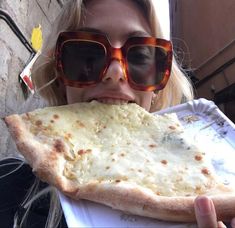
(205, 212)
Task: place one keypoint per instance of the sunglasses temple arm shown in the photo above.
(36, 91)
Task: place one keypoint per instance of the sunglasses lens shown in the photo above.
(83, 61)
(146, 64)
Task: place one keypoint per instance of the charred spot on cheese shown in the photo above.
(164, 162)
(152, 145)
(82, 152)
(59, 146)
(56, 116)
(205, 171)
(80, 124)
(38, 123)
(198, 157)
(172, 127)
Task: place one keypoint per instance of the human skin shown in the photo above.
(114, 88)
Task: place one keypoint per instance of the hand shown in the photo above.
(206, 215)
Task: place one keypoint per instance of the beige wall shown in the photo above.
(27, 14)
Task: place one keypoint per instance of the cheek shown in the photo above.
(74, 95)
(145, 99)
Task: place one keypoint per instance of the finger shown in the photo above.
(205, 212)
(233, 223)
(221, 225)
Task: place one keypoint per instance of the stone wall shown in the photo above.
(14, 56)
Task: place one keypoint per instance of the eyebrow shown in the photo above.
(88, 29)
(138, 33)
(131, 34)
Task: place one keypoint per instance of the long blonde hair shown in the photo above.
(177, 90)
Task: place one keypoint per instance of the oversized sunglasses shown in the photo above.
(83, 58)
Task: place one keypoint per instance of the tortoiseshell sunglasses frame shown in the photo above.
(112, 53)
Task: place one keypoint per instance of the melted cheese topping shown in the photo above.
(123, 143)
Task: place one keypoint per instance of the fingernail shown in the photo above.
(204, 205)
(233, 223)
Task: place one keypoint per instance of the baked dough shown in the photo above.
(121, 156)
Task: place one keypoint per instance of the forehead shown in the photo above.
(115, 17)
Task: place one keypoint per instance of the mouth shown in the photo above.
(115, 101)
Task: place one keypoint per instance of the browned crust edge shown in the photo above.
(49, 167)
(137, 201)
(45, 163)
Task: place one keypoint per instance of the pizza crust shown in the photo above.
(48, 162)
(136, 201)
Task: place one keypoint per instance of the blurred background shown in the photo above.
(202, 31)
(203, 34)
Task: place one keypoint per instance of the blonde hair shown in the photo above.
(177, 90)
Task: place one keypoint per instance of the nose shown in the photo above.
(115, 72)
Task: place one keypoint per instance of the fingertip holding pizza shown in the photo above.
(204, 205)
(96, 151)
(233, 223)
(206, 213)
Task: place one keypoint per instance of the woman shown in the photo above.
(110, 23)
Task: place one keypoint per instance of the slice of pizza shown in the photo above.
(121, 156)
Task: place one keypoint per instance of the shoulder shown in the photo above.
(16, 179)
(15, 174)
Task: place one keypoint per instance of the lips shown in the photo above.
(112, 101)
(113, 98)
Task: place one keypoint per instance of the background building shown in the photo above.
(203, 33)
(17, 20)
